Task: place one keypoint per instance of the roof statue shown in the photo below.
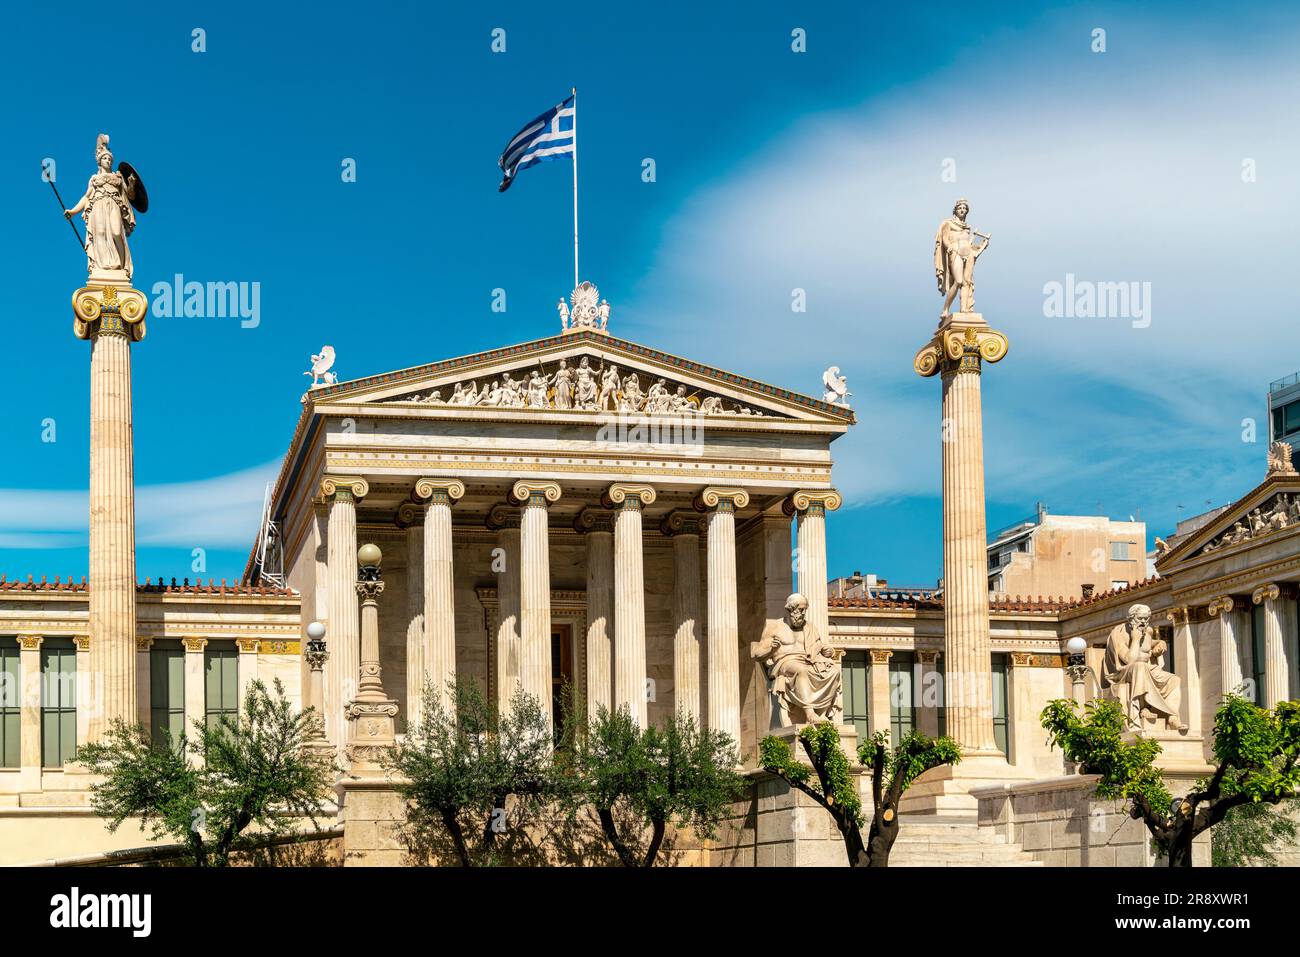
(588, 310)
(321, 364)
(1279, 459)
(108, 210)
(954, 259)
(837, 387)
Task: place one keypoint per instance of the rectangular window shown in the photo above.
(167, 692)
(10, 703)
(221, 682)
(857, 680)
(902, 695)
(1119, 551)
(1257, 655)
(1001, 712)
(58, 701)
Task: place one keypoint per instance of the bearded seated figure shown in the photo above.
(1132, 675)
(803, 669)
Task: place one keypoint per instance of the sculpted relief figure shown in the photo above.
(804, 669)
(955, 253)
(563, 381)
(1132, 676)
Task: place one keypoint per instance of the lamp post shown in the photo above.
(372, 715)
(316, 657)
(1076, 667)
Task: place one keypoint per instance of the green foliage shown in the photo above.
(461, 764)
(822, 744)
(915, 754)
(1249, 835)
(1093, 740)
(1259, 747)
(252, 771)
(679, 773)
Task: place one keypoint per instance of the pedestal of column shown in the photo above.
(723, 711)
(341, 495)
(630, 688)
(535, 497)
(505, 565)
(111, 318)
(809, 509)
(685, 532)
(439, 654)
(598, 527)
(1277, 626)
(371, 715)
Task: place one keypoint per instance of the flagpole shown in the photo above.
(574, 91)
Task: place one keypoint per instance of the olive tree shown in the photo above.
(1255, 749)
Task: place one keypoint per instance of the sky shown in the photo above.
(799, 152)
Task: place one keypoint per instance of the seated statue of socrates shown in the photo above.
(1132, 675)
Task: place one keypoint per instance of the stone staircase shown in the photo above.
(952, 841)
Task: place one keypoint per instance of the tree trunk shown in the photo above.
(452, 825)
(1180, 844)
(881, 839)
(853, 846)
(656, 838)
(625, 855)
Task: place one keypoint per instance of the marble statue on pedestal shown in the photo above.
(954, 259)
(107, 213)
(1132, 675)
(804, 670)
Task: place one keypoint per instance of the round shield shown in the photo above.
(136, 194)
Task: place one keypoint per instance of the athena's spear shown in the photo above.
(73, 226)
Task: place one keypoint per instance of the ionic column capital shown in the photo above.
(812, 499)
(721, 498)
(343, 488)
(109, 310)
(1269, 592)
(880, 656)
(442, 491)
(194, 645)
(960, 348)
(1179, 615)
(535, 492)
(593, 520)
(247, 646)
(502, 516)
(409, 514)
(628, 495)
(681, 523)
(1224, 604)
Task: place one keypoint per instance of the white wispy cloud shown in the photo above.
(220, 512)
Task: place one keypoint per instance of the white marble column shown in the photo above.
(1230, 677)
(685, 532)
(195, 686)
(439, 657)
(630, 688)
(1187, 668)
(878, 691)
(724, 629)
(1277, 666)
(320, 593)
(85, 691)
(246, 673)
(344, 623)
(504, 520)
(598, 527)
(410, 517)
(809, 508)
(29, 719)
(535, 497)
(143, 682)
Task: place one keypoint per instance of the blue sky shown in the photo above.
(776, 170)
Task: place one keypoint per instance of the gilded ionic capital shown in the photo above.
(1269, 592)
(194, 645)
(247, 646)
(721, 497)
(1179, 615)
(681, 523)
(535, 492)
(880, 656)
(1224, 605)
(343, 488)
(30, 642)
(628, 495)
(443, 491)
(594, 520)
(804, 499)
(109, 310)
(960, 348)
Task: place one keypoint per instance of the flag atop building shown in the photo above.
(547, 137)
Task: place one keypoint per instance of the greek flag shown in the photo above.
(548, 137)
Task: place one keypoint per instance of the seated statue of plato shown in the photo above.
(804, 670)
(1132, 675)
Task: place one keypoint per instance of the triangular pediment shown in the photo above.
(1271, 508)
(580, 373)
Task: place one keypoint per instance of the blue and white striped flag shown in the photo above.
(548, 137)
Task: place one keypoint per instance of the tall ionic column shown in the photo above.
(809, 509)
(962, 342)
(1185, 666)
(344, 634)
(111, 318)
(598, 527)
(535, 587)
(439, 655)
(410, 516)
(630, 688)
(504, 520)
(1277, 667)
(1229, 653)
(723, 710)
(685, 532)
